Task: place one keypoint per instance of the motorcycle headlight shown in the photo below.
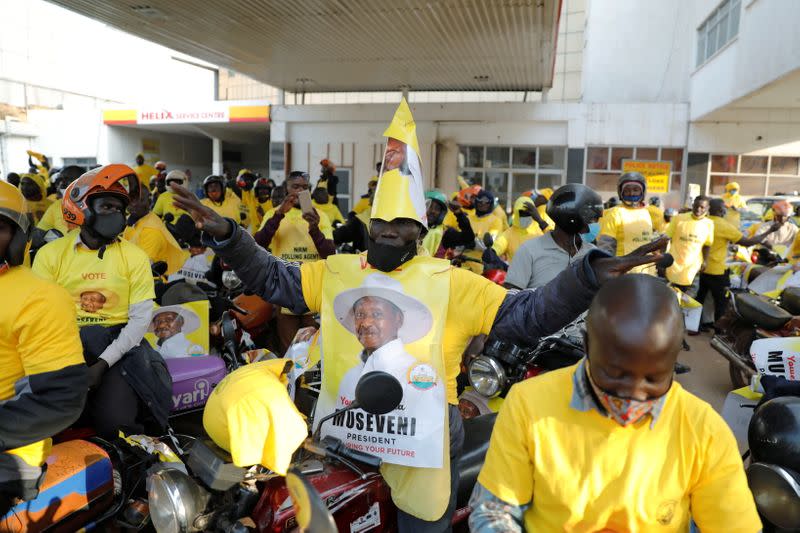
(231, 280)
(486, 376)
(175, 501)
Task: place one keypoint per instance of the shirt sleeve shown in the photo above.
(721, 499)
(609, 225)
(710, 236)
(311, 274)
(729, 232)
(507, 472)
(478, 298)
(325, 225)
(490, 514)
(152, 242)
(671, 227)
(519, 272)
(158, 209)
(141, 278)
(501, 244)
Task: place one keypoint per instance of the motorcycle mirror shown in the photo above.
(776, 491)
(378, 392)
(310, 511)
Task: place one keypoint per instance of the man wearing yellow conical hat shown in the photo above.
(420, 452)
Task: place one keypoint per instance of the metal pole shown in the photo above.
(216, 156)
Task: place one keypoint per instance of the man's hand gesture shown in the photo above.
(606, 268)
(205, 218)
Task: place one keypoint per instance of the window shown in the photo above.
(84, 162)
(343, 188)
(604, 165)
(721, 26)
(756, 174)
(509, 171)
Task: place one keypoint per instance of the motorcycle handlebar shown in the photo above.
(335, 448)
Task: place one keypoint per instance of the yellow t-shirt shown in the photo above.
(584, 472)
(432, 240)
(151, 235)
(144, 173)
(471, 310)
(688, 237)
(231, 207)
(724, 234)
(362, 205)
(511, 239)
(631, 227)
(102, 289)
(332, 212)
(657, 217)
(500, 213)
(292, 241)
(38, 334)
(250, 415)
(164, 205)
(53, 218)
(38, 209)
(481, 225)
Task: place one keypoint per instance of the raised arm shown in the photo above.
(273, 279)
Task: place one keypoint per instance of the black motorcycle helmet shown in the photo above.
(631, 177)
(774, 433)
(573, 207)
(214, 179)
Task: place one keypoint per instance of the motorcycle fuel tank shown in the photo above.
(193, 379)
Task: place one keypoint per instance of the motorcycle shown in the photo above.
(751, 317)
(502, 364)
(222, 497)
(774, 470)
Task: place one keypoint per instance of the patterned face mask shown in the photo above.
(624, 411)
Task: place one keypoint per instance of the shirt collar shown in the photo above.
(583, 399)
(391, 348)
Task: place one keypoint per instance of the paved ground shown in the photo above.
(709, 377)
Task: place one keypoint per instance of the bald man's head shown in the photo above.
(634, 334)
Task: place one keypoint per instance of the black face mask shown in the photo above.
(109, 226)
(386, 257)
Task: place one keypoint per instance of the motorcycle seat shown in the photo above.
(790, 300)
(476, 443)
(760, 311)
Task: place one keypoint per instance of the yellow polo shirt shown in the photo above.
(511, 239)
(330, 210)
(631, 227)
(292, 242)
(231, 207)
(151, 235)
(362, 205)
(724, 234)
(144, 173)
(583, 472)
(53, 218)
(688, 237)
(471, 310)
(101, 289)
(38, 334)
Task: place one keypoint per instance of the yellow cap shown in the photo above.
(732, 185)
(243, 171)
(402, 194)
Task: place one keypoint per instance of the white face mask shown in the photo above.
(524, 222)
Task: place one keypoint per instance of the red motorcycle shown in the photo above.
(223, 497)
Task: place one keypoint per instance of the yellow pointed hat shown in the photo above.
(401, 192)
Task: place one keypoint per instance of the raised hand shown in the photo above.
(205, 218)
(606, 268)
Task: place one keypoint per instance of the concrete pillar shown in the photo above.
(281, 97)
(216, 156)
(446, 165)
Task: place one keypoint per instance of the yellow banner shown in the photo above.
(180, 330)
(657, 173)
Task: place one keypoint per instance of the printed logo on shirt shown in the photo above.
(666, 512)
(422, 376)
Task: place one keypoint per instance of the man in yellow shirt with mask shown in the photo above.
(111, 285)
(321, 202)
(144, 171)
(627, 226)
(220, 199)
(43, 379)
(734, 202)
(691, 236)
(164, 205)
(522, 229)
(614, 443)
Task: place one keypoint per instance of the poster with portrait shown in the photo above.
(392, 323)
(179, 330)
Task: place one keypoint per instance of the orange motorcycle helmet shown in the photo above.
(116, 179)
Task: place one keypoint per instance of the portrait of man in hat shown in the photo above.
(170, 325)
(384, 319)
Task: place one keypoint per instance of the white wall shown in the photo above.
(637, 51)
(766, 49)
(177, 151)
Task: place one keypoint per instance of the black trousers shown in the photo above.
(113, 406)
(407, 523)
(690, 290)
(717, 285)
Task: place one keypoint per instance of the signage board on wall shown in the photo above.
(657, 173)
(212, 112)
